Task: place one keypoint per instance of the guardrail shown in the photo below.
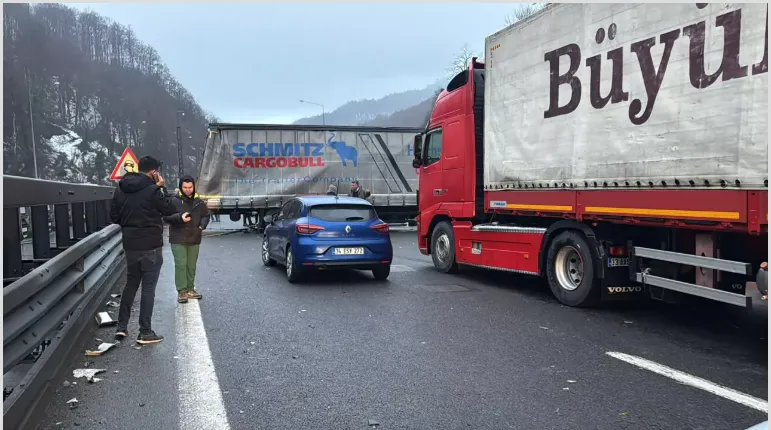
(49, 298)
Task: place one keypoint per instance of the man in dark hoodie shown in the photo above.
(139, 203)
(185, 237)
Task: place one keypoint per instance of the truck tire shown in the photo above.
(443, 248)
(570, 270)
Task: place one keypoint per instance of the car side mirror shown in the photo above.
(418, 151)
(268, 219)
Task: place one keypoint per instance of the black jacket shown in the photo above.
(138, 206)
(187, 233)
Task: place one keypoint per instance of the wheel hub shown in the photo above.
(569, 268)
(442, 248)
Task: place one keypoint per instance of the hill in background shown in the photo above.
(377, 112)
(80, 88)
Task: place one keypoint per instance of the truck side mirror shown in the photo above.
(418, 151)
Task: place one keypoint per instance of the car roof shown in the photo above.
(331, 200)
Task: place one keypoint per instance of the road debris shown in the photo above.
(628, 322)
(101, 349)
(113, 304)
(294, 357)
(66, 384)
(89, 374)
(73, 402)
(114, 296)
(544, 328)
(570, 381)
(103, 319)
(373, 423)
(566, 389)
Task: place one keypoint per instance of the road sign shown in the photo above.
(128, 163)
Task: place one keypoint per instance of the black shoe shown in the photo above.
(148, 338)
(121, 334)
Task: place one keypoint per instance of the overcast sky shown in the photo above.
(254, 62)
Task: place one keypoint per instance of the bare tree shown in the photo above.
(523, 11)
(461, 60)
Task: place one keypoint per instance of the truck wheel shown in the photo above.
(570, 270)
(443, 248)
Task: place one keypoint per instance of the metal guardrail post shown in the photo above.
(62, 225)
(90, 217)
(41, 236)
(78, 221)
(12, 267)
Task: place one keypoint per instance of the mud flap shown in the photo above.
(617, 285)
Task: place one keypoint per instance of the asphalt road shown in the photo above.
(424, 350)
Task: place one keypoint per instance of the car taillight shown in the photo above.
(381, 228)
(308, 228)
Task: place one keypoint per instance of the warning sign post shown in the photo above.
(128, 163)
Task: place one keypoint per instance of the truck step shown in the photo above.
(497, 228)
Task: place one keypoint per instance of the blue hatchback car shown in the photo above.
(327, 232)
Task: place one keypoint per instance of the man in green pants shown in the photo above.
(185, 238)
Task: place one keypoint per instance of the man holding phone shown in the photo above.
(139, 203)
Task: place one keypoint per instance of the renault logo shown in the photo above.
(348, 229)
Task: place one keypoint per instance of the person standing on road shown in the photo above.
(185, 238)
(139, 203)
(358, 191)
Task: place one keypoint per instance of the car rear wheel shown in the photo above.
(443, 248)
(266, 260)
(381, 273)
(293, 270)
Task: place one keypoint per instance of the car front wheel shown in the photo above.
(266, 260)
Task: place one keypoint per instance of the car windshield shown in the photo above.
(343, 212)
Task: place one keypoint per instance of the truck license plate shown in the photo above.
(618, 262)
(349, 251)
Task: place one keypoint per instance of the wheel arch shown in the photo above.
(568, 225)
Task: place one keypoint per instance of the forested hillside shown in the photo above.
(80, 89)
(360, 112)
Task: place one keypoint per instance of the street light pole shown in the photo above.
(179, 144)
(323, 112)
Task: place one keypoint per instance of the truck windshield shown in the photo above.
(343, 212)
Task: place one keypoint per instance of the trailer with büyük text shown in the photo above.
(253, 169)
(619, 150)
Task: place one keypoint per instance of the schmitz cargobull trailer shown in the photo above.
(254, 168)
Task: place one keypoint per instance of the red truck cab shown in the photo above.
(451, 183)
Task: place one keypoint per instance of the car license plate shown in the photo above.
(618, 262)
(349, 251)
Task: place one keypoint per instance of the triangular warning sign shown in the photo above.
(128, 163)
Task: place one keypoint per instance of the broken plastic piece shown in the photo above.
(103, 319)
(114, 296)
(113, 304)
(86, 373)
(373, 423)
(101, 349)
(73, 402)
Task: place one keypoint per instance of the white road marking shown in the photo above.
(200, 402)
(693, 381)
(396, 268)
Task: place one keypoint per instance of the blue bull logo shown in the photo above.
(344, 151)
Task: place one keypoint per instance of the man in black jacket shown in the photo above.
(185, 237)
(137, 206)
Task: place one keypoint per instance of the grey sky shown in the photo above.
(252, 62)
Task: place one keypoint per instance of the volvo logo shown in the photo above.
(348, 229)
